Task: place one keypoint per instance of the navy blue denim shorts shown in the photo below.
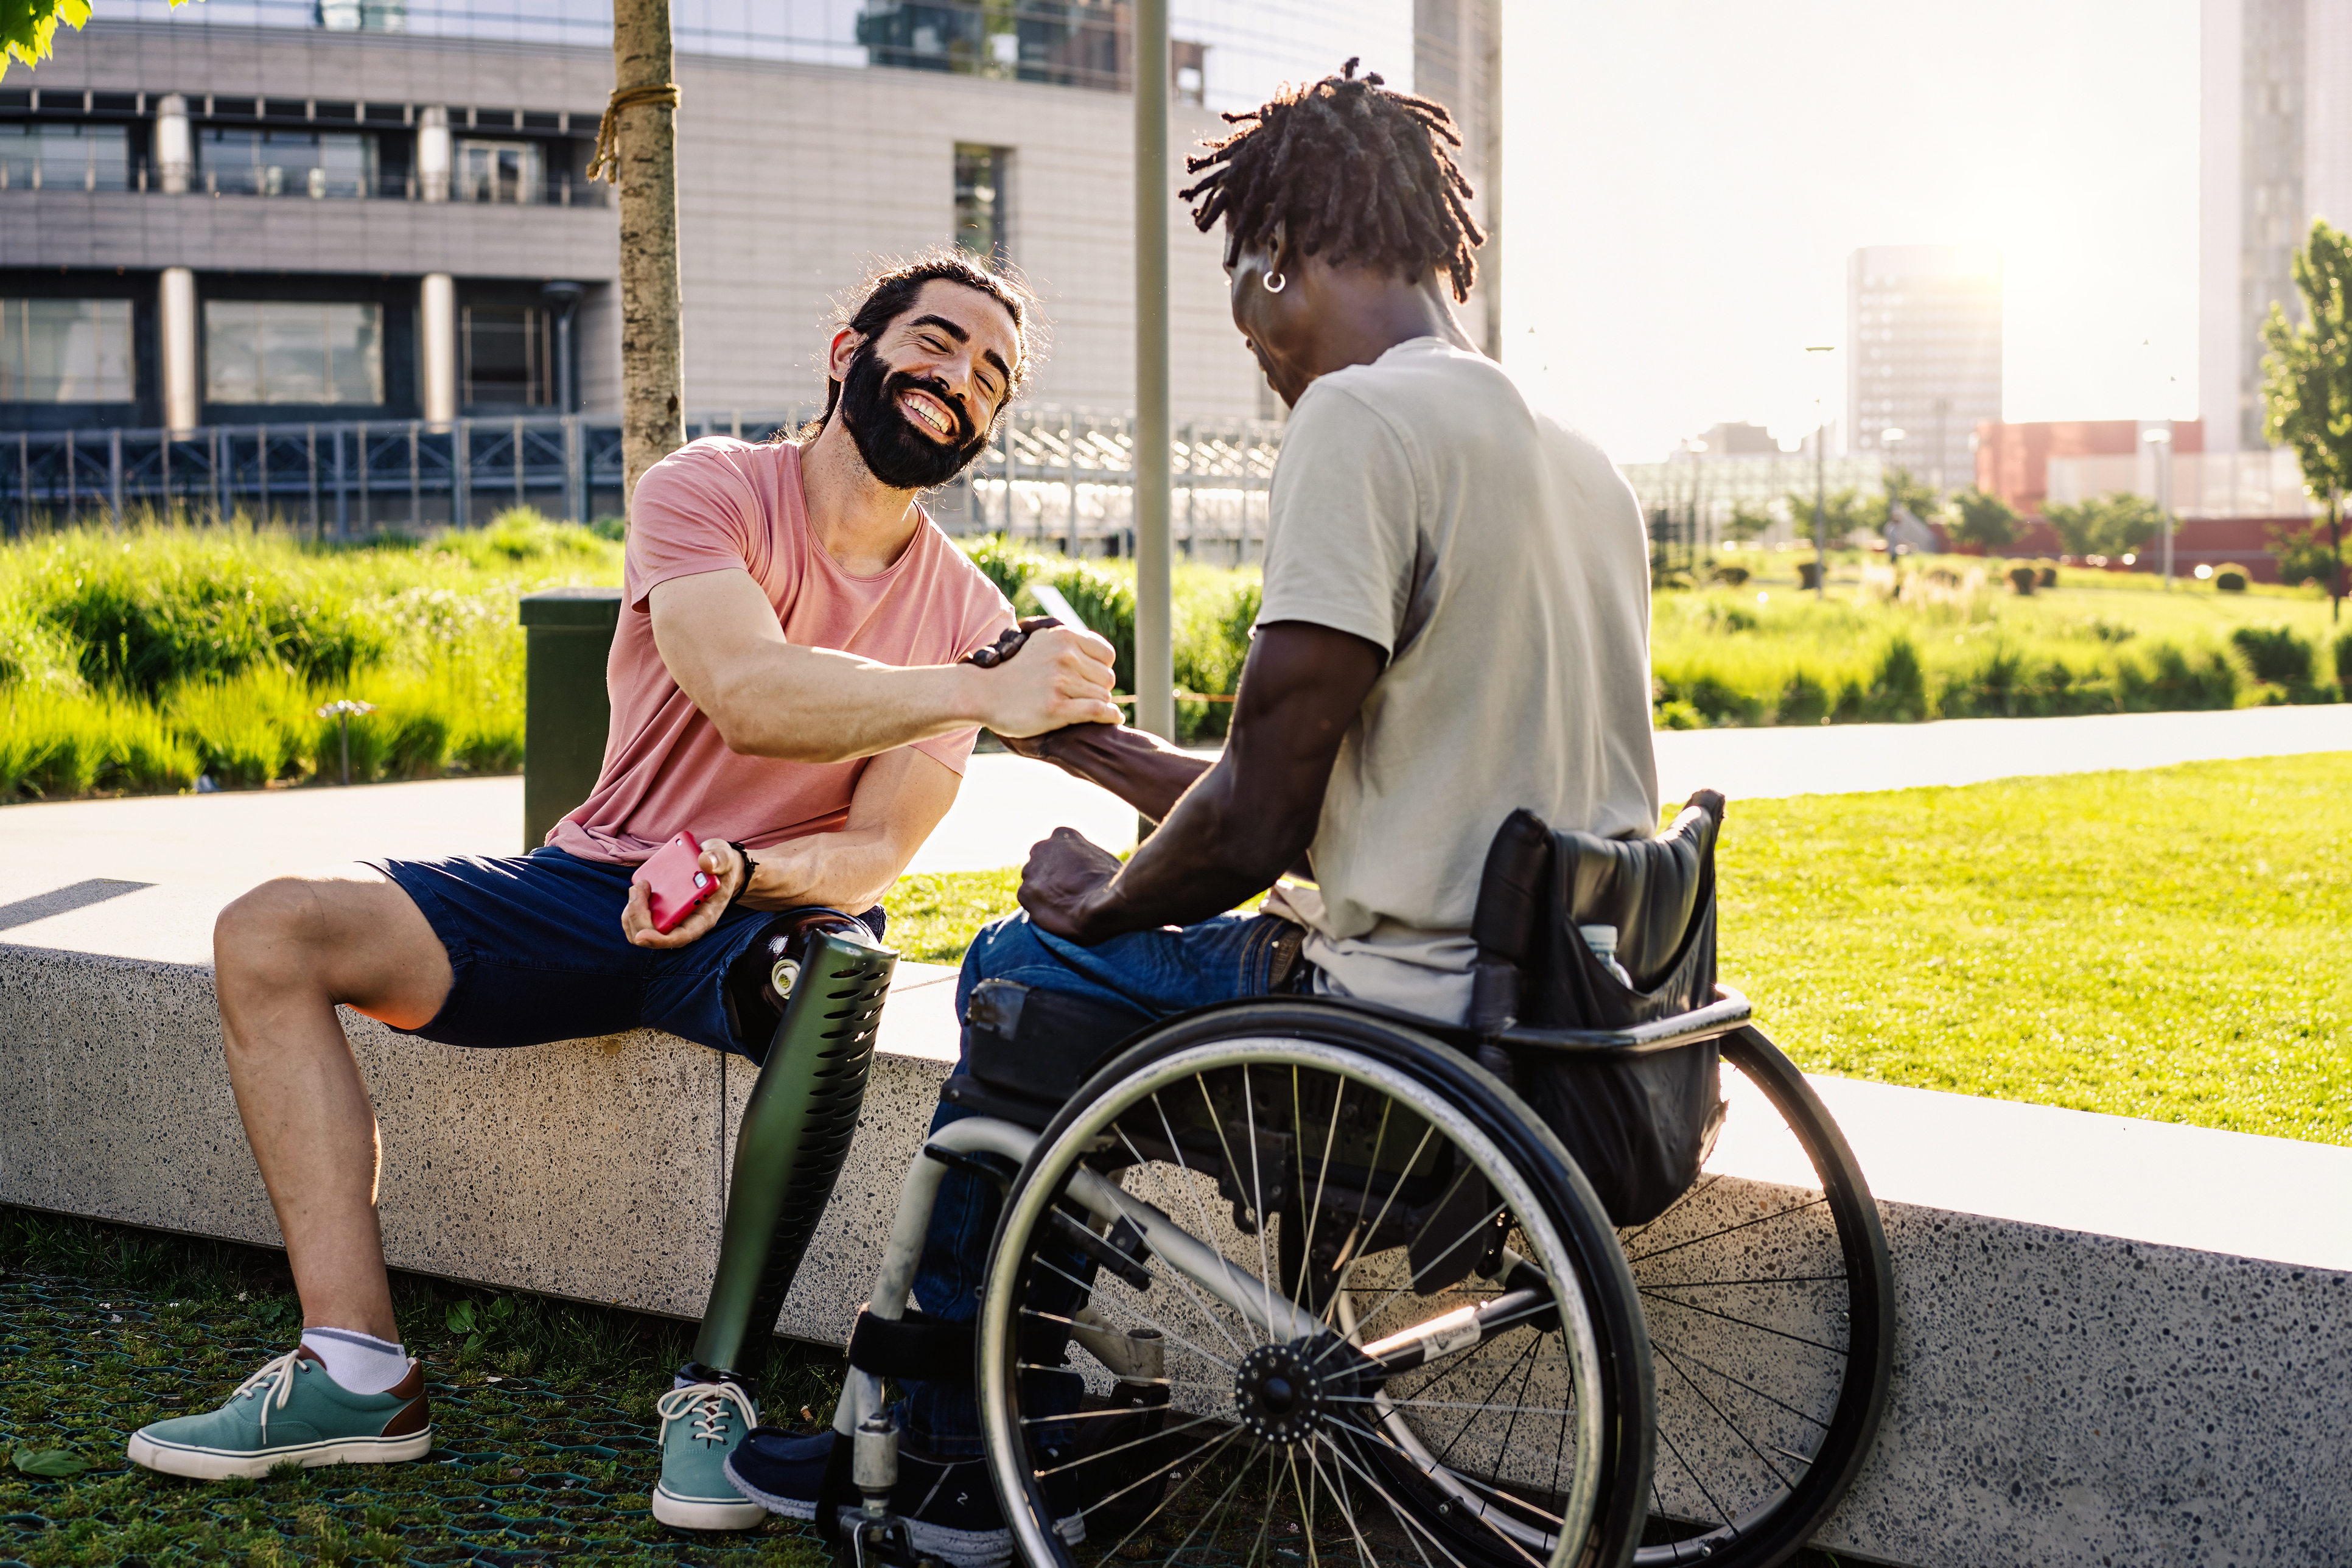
(536, 945)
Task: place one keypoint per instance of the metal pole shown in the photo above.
(24, 479)
(1011, 420)
(367, 521)
(343, 497)
(261, 465)
(220, 475)
(461, 474)
(1155, 653)
(415, 482)
(114, 472)
(317, 519)
(73, 486)
(1070, 478)
(517, 461)
(572, 508)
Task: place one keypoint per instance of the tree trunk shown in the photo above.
(653, 350)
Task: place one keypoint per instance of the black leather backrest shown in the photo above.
(1651, 890)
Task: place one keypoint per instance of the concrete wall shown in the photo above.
(2118, 1342)
(794, 180)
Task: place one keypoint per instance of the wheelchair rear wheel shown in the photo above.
(1772, 1325)
(1391, 1320)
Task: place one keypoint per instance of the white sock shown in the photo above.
(360, 1362)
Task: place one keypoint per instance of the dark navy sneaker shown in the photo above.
(949, 1505)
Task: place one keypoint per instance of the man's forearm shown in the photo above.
(1210, 854)
(849, 870)
(814, 705)
(1139, 768)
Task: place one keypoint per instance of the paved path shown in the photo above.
(217, 846)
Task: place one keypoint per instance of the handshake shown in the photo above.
(1065, 679)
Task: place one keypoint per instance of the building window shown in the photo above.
(509, 355)
(980, 199)
(293, 351)
(1074, 43)
(65, 350)
(64, 157)
(497, 172)
(364, 16)
(248, 161)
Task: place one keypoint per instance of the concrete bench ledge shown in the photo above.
(2119, 1342)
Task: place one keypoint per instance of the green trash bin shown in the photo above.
(568, 636)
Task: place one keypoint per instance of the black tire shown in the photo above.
(1749, 1465)
(1396, 1498)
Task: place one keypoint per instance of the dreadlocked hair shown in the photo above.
(1352, 171)
(889, 292)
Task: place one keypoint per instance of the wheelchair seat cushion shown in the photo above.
(1038, 1044)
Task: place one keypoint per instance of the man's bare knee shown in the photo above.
(268, 933)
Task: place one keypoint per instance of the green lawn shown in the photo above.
(2166, 944)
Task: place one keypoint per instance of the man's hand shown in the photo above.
(720, 860)
(1063, 872)
(1062, 675)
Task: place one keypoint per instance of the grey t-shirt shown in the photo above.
(1422, 503)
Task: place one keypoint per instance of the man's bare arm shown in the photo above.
(1138, 767)
(900, 798)
(719, 639)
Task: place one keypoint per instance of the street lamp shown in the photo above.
(1821, 485)
(1890, 438)
(2162, 441)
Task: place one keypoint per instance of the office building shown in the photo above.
(1923, 326)
(282, 211)
(2276, 140)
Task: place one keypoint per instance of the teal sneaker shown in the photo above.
(291, 1409)
(701, 1425)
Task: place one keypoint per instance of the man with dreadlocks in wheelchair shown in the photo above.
(1448, 689)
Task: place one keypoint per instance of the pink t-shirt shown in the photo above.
(719, 505)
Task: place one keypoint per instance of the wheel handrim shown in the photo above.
(1278, 1438)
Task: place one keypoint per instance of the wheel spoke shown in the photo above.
(1215, 1322)
(1743, 1323)
(1735, 1428)
(1150, 1323)
(1257, 1198)
(1703, 1366)
(1729, 1229)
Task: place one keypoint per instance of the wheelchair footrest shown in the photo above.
(916, 1348)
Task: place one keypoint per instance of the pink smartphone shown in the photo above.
(675, 881)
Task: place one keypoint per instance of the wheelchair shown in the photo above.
(1308, 1278)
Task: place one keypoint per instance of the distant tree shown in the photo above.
(1842, 513)
(1982, 519)
(1898, 487)
(1748, 522)
(2303, 555)
(2307, 383)
(2116, 523)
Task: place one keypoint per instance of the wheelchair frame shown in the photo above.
(1763, 1535)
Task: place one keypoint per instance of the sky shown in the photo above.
(1684, 180)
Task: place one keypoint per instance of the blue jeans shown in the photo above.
(1163, 972)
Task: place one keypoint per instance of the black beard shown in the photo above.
(896, 453)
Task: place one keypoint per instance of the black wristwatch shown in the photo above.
(745, 885)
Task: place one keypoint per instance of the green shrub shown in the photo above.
(1803, 700)
(55, 745)
(2045, 577)
(2344, 662)
(2230, 578)
(2163, 679)
(148, 611)
(2023, 579)
(2274, 654)
(1714, 700)
(1897, 691)
(1731, 577)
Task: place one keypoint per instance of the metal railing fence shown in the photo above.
(1058, 478)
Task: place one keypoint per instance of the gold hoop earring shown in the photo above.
(1274, 282)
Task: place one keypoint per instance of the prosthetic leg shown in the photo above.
(821, 976)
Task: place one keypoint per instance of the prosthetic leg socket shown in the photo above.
(797, 1129)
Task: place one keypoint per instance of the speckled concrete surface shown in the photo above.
(2060, 1397)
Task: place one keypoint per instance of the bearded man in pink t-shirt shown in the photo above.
(791, 683)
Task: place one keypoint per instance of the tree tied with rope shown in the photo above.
(636, 149)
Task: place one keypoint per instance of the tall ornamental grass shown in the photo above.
(137, 661)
